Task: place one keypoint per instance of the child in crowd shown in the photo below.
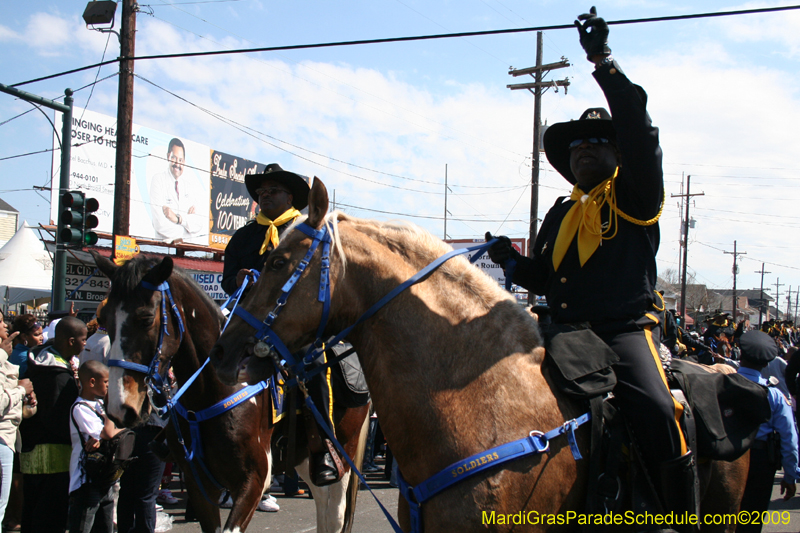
(90, 506)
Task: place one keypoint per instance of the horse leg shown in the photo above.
(207, 513)
(247, 496)
(331, 500)
(352, 490)
(723, 494)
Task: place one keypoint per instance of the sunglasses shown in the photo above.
(271, 191)
(590, 140)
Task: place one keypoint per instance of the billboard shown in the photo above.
(231, 205)
(180, 190)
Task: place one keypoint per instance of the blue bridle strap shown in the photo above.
(534, 443)
(152, 375)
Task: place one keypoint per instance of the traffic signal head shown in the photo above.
(90, 221)
(72, 218)
(77, 219)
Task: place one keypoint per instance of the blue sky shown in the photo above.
(378, 123)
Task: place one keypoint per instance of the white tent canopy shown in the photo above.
(26, 270)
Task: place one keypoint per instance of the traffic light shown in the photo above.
(90, 221)
(77, 219)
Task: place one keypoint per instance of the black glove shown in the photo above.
(594, 34)
(502, 250)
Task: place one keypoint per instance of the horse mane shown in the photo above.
(129, 275)
(419, 248)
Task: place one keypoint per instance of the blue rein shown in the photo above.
(535, 443)
(157, 385)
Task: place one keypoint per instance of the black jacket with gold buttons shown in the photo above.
(617, 283)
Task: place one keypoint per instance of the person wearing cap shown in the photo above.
(280, 195)
(594, 257)
(758, 349)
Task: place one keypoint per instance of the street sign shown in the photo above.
(90, 288)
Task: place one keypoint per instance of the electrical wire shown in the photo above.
(411, 38)
(254, 134)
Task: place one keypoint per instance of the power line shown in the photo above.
(420, 216)
(409, 39)
(251, 131)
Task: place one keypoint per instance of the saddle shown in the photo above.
(722, 413)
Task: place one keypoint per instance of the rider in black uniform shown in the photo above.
(594, 257)
(280, 195)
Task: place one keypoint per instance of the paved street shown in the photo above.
(297, 513)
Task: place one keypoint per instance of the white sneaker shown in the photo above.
(165, 496)
(225, 500)
(269, 504)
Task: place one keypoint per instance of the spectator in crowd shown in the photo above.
(139, 486)
(91, 505)
(98, 344)
(758, 349)
(15, 392)
(53, 317)
(46, 443)
(30, 336)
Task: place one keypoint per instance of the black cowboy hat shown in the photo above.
(297, 184)
(594, 122)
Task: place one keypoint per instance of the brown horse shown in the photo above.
(235, 445)
(453, 363)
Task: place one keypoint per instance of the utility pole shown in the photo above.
(778, 285)
(538, 87)
(735, 272)
(788, 304)
(446, 188)
(761, 307)
(686, 240)
(122, 180)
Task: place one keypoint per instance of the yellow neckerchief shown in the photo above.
(584, 218)
(272, 231)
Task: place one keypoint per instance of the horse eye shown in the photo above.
(278, 264)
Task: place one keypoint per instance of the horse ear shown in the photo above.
(105, 265)
(160, 272)
(317, 204)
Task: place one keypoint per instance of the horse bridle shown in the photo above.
(157, 387)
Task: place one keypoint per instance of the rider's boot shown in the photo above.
(679, 490)
(323, 469)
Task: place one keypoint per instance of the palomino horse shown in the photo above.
(453, 364)
(235, 446)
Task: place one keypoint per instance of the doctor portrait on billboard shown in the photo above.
(175, 206)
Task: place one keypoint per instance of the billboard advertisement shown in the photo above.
(231, 205)
(180, 191)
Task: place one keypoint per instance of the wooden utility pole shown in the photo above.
(446, 188)
(735, 272)
(686, 240)
(778, 285)
(789, 303)
(538, 87)
(122, 180)
(761, 307)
